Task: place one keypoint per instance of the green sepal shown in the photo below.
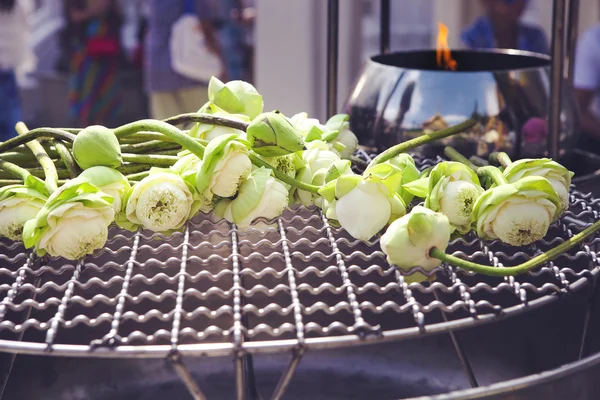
(418, 188)
(250, 193)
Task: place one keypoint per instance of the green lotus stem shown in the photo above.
(154, 159)
(134, 168)
(138, 176)
(164, 128)
(454, 155)
(142, 137)
(74, 131)
(38, 173)
(480, 162)
(147, 147)
(14, 170)
(283, 177)
(501, 158)
(39, 133)
(43, 158)
(67, 158)
(492, 173)
(421, 140)
(523, 267)
(207, 119)
(7, 182)
(359, 161)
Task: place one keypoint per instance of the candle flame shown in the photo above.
(443, 55)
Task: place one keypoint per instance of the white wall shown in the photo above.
(291, 53)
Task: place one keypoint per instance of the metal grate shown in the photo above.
(299, 283)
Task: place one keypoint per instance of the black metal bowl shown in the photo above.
(401, 95)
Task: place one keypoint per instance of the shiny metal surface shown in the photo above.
(400, 95)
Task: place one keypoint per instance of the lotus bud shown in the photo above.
(97, 146)
(558, 176)
(19, 204)
(260, 196)
(235, 97)
(73, 222)
(453, 190)
(410, 173)
(272, 135)
(516, 213)
(224, 167)
(340, 124)
(316, 159)
(364, 205)
(110, 182)
(408, 241)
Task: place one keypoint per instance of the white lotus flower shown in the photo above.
(224, 167)
(516, 213)
(73, 222)
(19, 204)
(313, 130)
(558, 176)
(109, 181)
(160, 202)
(261, 195)
(317, 160)
(364, 205)
(345, 136)
(408, 240)
(453, 190)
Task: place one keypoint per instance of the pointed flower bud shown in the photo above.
(235, 97)
(272, 135)
(73, 222)
(363, 205)
(408, 240)
(97, 146)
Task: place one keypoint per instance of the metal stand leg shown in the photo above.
(384, 39)
(588, 315)
(333, 8)
(186, 377)
(8, 360)
(287, 375)
(556, 76)
(462, 356)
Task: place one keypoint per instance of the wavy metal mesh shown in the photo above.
(216, 290)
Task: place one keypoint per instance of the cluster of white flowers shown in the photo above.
(515, 205)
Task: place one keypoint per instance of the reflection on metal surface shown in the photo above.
(402, 95)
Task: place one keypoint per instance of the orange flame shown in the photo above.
(443, 55)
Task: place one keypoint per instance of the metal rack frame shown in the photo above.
(323, 289)
(301, 285)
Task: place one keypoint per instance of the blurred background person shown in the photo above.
(15, 54)
(501, 27)
(586, 81)
(171, 93)
(92, 35)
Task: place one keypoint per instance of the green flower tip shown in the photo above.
(97, 146)
(235, 97)
(273, 135)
